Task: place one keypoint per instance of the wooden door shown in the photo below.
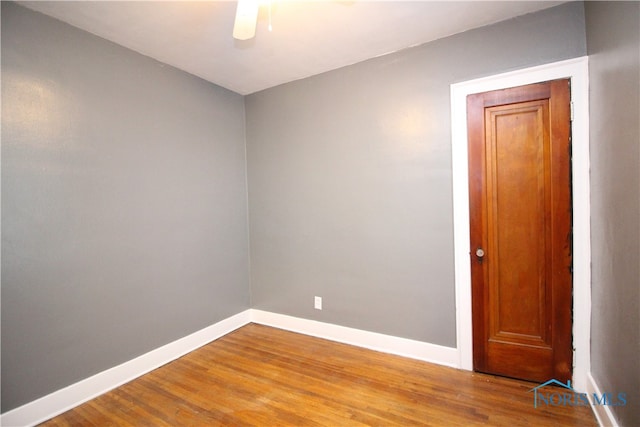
(520, 224)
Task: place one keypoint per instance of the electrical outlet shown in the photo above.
(317, 303)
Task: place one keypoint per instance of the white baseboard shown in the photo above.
(62, 400)
(69, 397)
(374, 341)
(602, 412)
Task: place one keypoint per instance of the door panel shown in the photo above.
(517, 233)
(520, 217)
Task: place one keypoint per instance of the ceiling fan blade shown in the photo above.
(244, 27)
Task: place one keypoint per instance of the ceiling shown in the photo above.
(308, 37)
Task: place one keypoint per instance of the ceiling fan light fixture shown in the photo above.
(244, 27)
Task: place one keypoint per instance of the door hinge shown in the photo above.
(572, 110)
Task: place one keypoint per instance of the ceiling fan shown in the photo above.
(244, 27)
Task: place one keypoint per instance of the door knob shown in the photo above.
(480, 252)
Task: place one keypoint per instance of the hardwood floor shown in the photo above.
(262, 376)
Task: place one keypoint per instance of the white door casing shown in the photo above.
(576, 70)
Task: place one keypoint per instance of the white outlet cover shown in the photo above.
(317, 303)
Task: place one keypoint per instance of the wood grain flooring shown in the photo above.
(262, 376)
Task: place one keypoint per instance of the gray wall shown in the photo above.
(350, 189)
(124, 217)
(613, 40)
(124, 198)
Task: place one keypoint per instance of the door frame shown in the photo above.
(577, 70)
